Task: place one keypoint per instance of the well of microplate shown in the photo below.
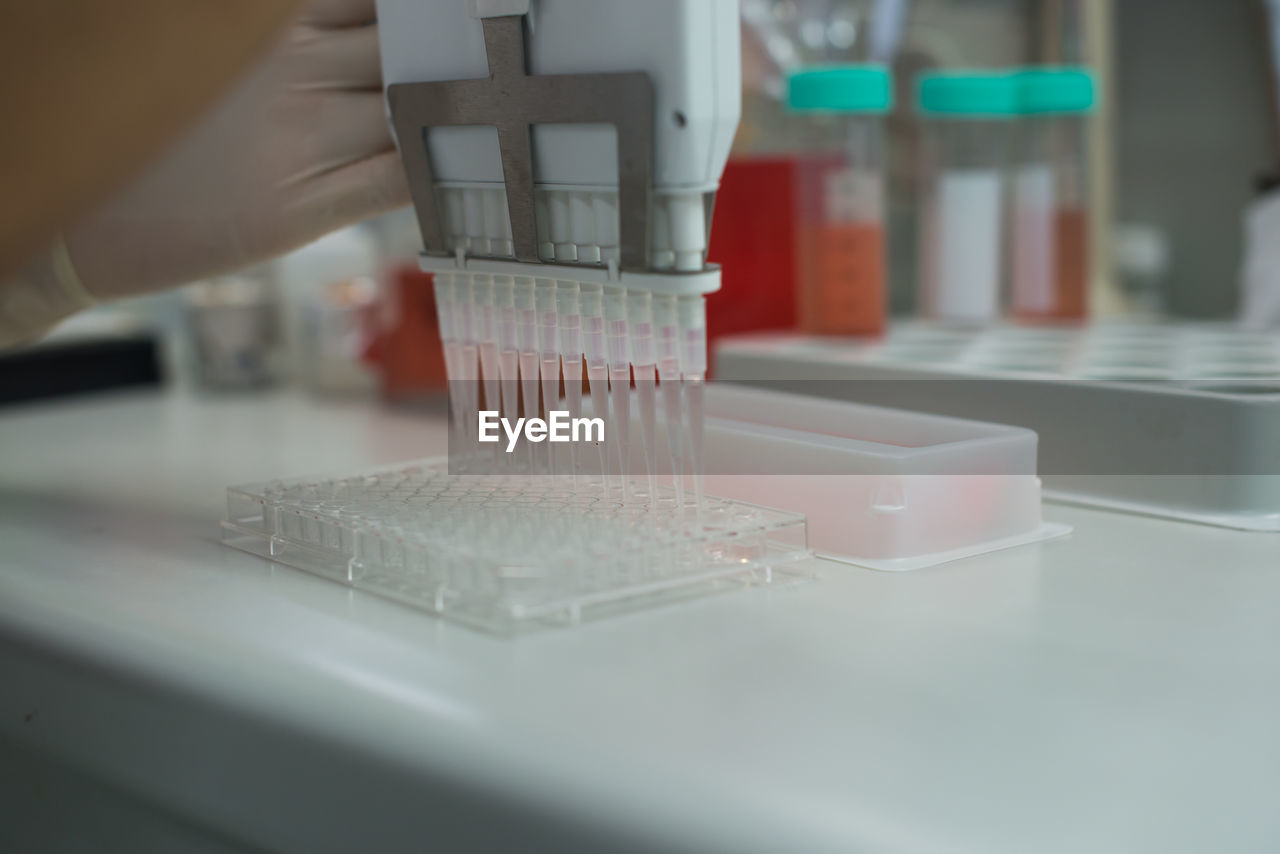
(512, 552)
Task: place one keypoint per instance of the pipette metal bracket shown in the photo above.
(512, 100)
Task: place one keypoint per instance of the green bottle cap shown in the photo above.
(969, 94)
(841, 89)
(1057, 90)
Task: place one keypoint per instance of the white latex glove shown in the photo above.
(300, 149)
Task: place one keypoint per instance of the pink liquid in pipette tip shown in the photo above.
(673, 414)
(529, 384)
(469, 371)
(489, 370)
(621, 438)
(550, 401)
(598, 380)
(457, 405)
(509, 367)
(646, 395)
(694, 386)
(573, 403)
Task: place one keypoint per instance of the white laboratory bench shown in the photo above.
(1118, 690)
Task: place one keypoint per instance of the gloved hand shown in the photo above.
(300, 149)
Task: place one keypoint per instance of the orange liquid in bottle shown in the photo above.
(841, 278)
(1071, 273)
(1069, 280)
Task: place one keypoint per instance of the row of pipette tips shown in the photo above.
(513, 336)
(575, 226)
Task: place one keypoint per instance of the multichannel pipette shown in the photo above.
(563, 156)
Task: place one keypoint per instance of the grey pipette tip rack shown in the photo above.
(1179, 420)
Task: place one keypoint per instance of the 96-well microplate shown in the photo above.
(509, 552)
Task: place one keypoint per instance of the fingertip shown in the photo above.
(389, 178)
(350, 194)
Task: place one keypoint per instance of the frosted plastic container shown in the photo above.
(882, 488)
(331, 301)
(966, 127)
(232, 322)
(840, 198)
(1049, 224)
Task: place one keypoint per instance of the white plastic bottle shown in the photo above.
(966, 128)
(331, 299)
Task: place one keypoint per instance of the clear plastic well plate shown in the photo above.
(509, 552)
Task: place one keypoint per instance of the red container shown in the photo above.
(753, 239)
(409, 353)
